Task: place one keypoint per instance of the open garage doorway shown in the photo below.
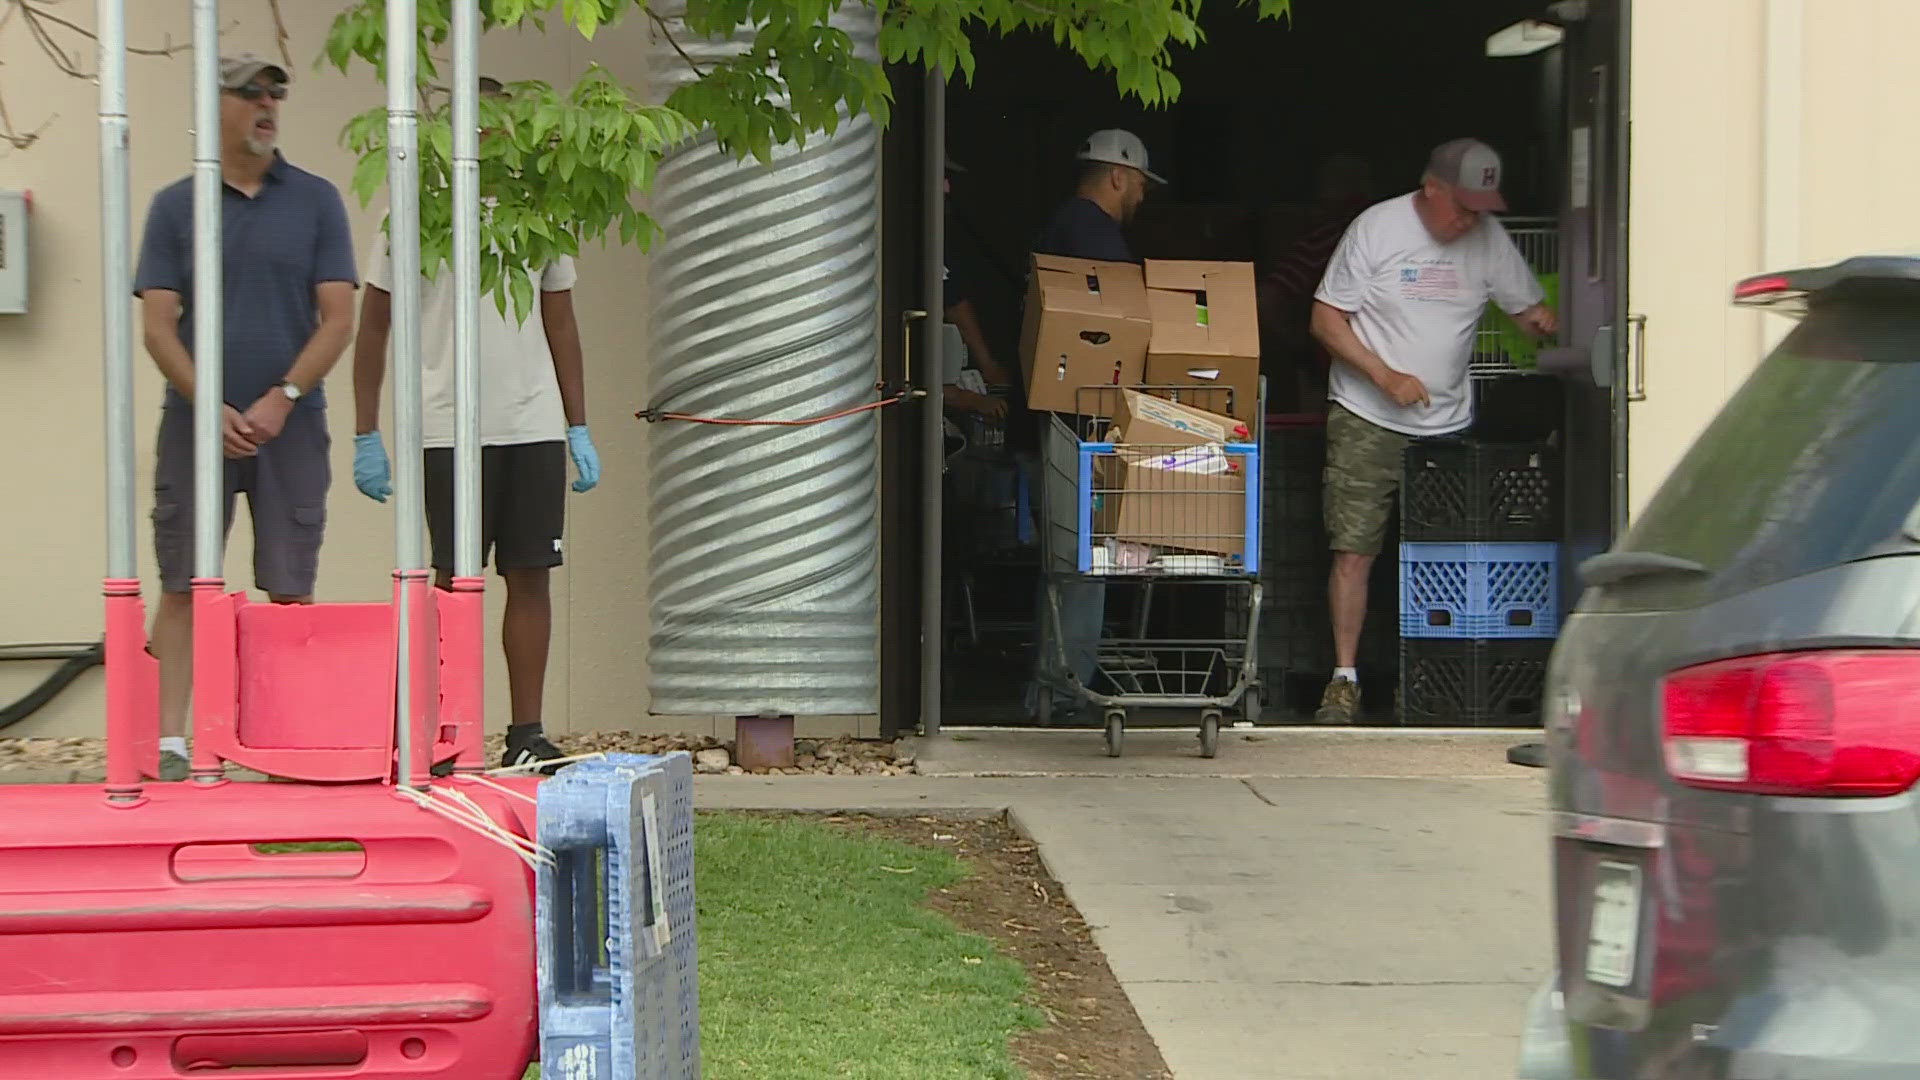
(1283, 130)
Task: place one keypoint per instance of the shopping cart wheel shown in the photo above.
(1250, 705)
(1116, 731)
(1209, 733)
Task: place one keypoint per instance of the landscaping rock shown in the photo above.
(840, 756)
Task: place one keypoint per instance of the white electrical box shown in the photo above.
(13, 253)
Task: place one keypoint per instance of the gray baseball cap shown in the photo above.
(238, 71)
(1117, 146)
(1472, 169)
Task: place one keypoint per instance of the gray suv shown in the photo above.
(1733, 728)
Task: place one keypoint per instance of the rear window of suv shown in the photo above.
(1813, 462)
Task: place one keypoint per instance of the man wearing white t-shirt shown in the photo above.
(532, 415)
(1397, 309)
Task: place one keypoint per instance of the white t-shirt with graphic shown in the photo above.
(519, 393)
(1416, 303)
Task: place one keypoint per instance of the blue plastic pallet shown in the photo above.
(619, 989)
(1480, 591)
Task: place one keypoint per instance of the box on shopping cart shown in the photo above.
(1186, 499)
(1087, 324)
(1206, 330)
(1146, 420)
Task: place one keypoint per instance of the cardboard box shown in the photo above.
(1146, 420)
(1087, 324)
(1142, 502)
(1206, 332)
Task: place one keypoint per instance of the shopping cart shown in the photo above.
(1144, 519)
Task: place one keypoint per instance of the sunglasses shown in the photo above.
(254, 92)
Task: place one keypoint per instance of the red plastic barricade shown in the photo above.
(171, 937)
(304, 691)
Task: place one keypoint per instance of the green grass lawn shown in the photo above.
(818, 960)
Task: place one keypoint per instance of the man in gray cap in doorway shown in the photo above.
(1397, 310)
(1113, 183)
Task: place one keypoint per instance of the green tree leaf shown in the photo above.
(559, 167)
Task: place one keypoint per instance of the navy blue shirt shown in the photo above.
(1081, 230)
(277, 246)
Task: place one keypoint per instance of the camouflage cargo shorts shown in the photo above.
(1361, 481)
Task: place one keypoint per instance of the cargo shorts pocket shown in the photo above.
(288, 561)
(172, 545)
(308, 528)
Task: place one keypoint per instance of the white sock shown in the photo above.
(175, 744)
(1346, 673)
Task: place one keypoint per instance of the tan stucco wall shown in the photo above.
(1766, 134)
(50, 407)
(1712, 200)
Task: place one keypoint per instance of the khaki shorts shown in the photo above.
(1361, 481)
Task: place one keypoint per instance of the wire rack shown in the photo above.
(1538, 239)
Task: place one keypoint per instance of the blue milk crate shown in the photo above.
(614, 921)
(1479, 591)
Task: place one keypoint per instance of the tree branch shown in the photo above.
(671, 40)
(16, 138)
(34, 14)
(280, 32)
(40, 24)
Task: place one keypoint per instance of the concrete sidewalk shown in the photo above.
(1328, 910)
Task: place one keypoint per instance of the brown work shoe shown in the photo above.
(1340, 704)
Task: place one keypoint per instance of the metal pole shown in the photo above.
(933, 431)
(121, 589)
(116, 283)
(403, 224)
(209, 504)
(466, 288)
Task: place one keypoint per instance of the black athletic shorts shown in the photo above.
(523, 504)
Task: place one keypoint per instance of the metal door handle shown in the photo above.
(1637, 363)
(907, 319)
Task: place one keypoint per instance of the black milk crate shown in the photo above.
(1452, 683)
(1458, 490)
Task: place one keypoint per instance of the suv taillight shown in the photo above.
(1827, 723)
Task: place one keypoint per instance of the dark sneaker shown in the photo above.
(174, 767)
(1340, 704)
(528, 750)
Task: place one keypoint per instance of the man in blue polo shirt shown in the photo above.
(288, 277)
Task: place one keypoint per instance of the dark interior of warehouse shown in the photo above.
(1276, 122)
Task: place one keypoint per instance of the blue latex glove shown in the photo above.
(586, 460)
(371, 473)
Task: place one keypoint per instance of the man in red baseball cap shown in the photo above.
(1462, 182)
(1397, 309)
